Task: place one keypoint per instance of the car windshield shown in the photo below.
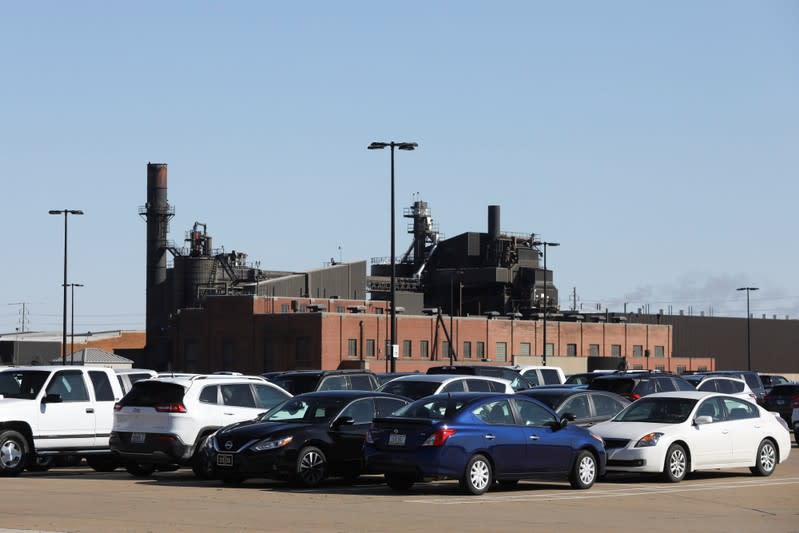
(24, 384)
(309, 410)
(410, 389)
(658, 410)
(435, 409)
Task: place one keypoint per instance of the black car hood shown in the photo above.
(254, 429)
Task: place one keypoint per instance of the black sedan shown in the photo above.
(305, 439)
(588, 406)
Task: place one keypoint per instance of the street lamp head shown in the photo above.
(407, 146)
(377, 146)
(55, 212)
(545, 243)
(75, 212)
(748, 289)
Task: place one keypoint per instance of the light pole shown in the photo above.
(546, 298)
(66, 213)
(748, 331)
(402, 146)
(72, 325)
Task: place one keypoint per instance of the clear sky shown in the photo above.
(657, 142)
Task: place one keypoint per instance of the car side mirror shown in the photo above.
(571, 417)
(701, 420)
(342, 421)
(52, 398)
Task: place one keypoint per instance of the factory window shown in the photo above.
(502, 351)
(370, 347)
(659, 352)
(524, 348)
(229, 349)
(406, 349)
(379, 311)
(424, 349)
(444, 349)
(615, 350)
(549, 349)
(660, 368)
(352, 347)
(702, 368)
(467, 350)
(571, 350)
(191, 355)
(481, 350)
(638, 367)
(302, 354)
(270, 359)
(284, 308)
(638, 350)
(303, 308)
(593, 349)
(681, 369)
(339, 309)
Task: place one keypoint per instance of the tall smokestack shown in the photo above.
(493, 223)
(157, 212)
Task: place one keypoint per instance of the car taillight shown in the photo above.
(795, 402)
(117, 407)
(634, 396)
(439, 437)
(171, 408)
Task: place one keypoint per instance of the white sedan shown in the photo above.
(674, 433)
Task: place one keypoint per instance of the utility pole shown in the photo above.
(24, 314)
(574, 298)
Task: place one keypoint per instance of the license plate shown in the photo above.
(396, 439)
(136, 438)
(782, 402)
(224, 459)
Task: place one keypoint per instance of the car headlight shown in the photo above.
(271, 444)
(600, 439)
(650, 439)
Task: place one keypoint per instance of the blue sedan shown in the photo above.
(479, 438)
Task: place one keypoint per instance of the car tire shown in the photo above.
(41, 463)
(201, 466)
(14, 453)
(139, 469)
(584, 471)
(766, 459)
(311, 467)
(675, 467)
(399, 482)
(102, 463)
(478, 476)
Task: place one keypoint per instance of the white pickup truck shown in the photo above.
(50, 411)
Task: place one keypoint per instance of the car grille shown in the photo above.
(616, 443)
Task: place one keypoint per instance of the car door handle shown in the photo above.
(533, 437)
(725, 431)
(90, 409)
(489, 436)
(228, 414)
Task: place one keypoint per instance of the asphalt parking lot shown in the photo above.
(79, 499)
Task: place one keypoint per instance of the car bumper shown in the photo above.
(421, 463)
(157, 448)
(278, 464)
(650, 459)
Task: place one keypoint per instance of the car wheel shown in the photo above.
(584, 471)
(676, 464)
(13, 453)
(139, 469)
(766, 459)
(102, 463)
(41, 463)
(311, 466)
(478, 477)
(400, 482)
(201, 466)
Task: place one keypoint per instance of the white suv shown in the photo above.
(161, 423)
(725, 385)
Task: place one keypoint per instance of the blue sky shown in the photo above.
(658, 143)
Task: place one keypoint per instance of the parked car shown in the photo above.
(385, 377)
(726, 385)
(302, 381)
(479, 438)
(162, 423)
(588, 407)
(49, 412)
(540, 374)
(420, 385)
(128, 376)
(304, 439)
(782, 399)
(751, 378)
(674, 433)
(769, 380)
(585, 378)
(634, 385)
(518, 382)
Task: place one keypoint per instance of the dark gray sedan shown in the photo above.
(588, 406)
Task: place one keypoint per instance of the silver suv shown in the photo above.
(161, 423)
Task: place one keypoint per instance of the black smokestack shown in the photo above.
(493, 223)
(157, 213)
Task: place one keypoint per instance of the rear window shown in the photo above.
(551, 377)
(362, 382)
(437, 409)
(296, 384)
(619, 386)
(151, 393)
(784, 390)
(411, 389)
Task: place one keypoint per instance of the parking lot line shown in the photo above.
(601, 493)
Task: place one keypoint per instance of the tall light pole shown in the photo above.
(546, 298)
(748, 330)
(66, 213)
(402, 146)
(72, 322)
